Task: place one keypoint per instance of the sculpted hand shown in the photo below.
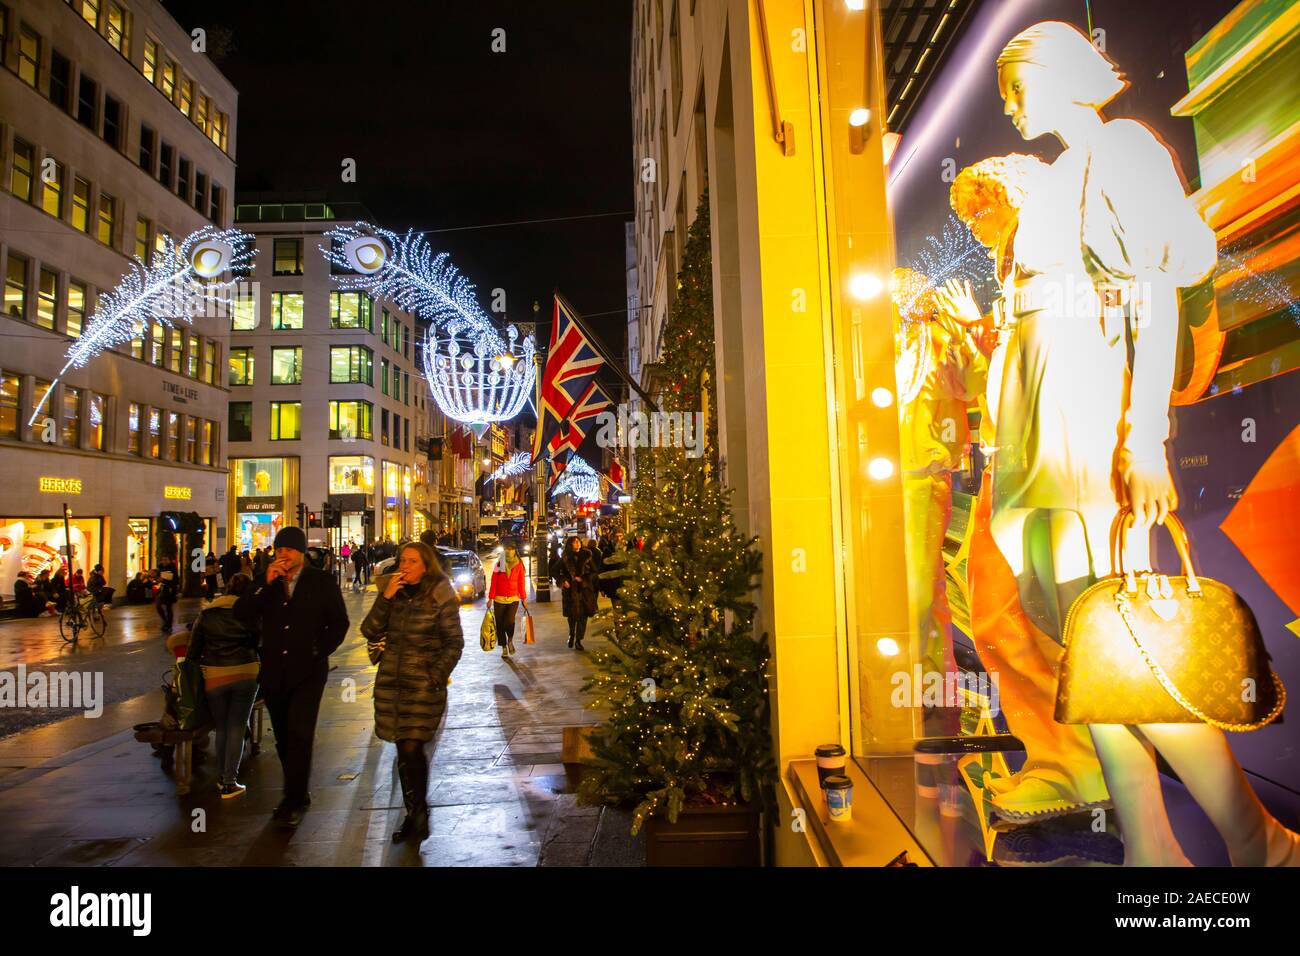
(956, 301)
(1149, 491)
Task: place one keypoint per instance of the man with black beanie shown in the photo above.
(303, 620)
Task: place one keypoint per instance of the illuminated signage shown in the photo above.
(177, 491)
(63, 486)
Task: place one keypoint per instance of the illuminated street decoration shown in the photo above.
(578, 479)
(475, 375)
(517, 464)
(174, 286)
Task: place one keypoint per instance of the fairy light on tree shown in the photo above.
(475, 376)
(175, 287)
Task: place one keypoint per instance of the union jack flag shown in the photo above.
(571, 366)
(573, 429)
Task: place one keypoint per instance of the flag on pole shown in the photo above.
(573, 429)
(571, 366)
(616, 474)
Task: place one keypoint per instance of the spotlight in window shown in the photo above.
(859, 116)
(882, 397)
(858, 120)
(887, 646)
(880, 468)
(864, 285)
(856, 4)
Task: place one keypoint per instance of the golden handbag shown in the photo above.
(1150, 648)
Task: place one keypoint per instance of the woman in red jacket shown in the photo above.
(508, 592)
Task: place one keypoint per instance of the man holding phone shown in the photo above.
(303, 620)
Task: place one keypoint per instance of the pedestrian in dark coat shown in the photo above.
(414, 634)
(576, 575)
(300, 614)
(169, 585)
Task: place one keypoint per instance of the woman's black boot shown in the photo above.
(416, 821)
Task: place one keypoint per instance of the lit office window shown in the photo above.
(90, 13)
(95, 405)
(191, 440)
(240, 363)
(168, 83)
(383, 376)
(286, 310)
(29, 56)
(173, 436)
(20, 176)
(174, 350)
(47, 299)
(155, 429)
(205, 443)
(133, 429)
(150, 59)
(286, 421)
(192, 358)
(107, 219)
(16, 287)
(118, 37)
(243, 313)
(142, 239)
(209, 361)
(52, 196)
(8, 404)
(76, 298)
(351, 363)
(187, 96)
(71, 416)
(156, 344)
(286, 365)
(350, 420)
(287, 256)
(351, 310)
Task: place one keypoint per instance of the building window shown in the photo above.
(8, 405)
(209, 361)
(351, 363)
(150, 68)
(286, 365)
(156, 345)
(240, 363)
(351, 475)
(287, 254)
(112, 122)
(47, 297)
(160, 239)
(168, 85)
(137, 344)
(406, 341)
(173, 436)
(383, 426)
(148, 149)
(142, 239)
(133, 429)
(183, 178)
(16, 287)
(80, 204)
(286, 310)
(383, 326)
(205, 443)
(29, 56)
(155, 433)
(60, 80)
(174, 350)
(87, 100)
(397, 382)
(166, 158)
(44, 401)
(52, 197)
(220, 122)
(201, 113)
(95, 425)
(406, 388)
(383, 376)
(243, 313)
(20, 176)
(90, 13)
(187, 96)
(200, 191)
(76, 298)
(192, 358)
(351, 310)
(349, 420)
(191, 440)
(71, 416)
(406, 435)
(107, 219)
(118, 37)
(240, 422)
(214, 204)
(286, 421)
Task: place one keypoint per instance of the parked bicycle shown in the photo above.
(79, 614)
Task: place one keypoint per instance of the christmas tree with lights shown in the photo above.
(684, 679)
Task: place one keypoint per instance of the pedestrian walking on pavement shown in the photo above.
(299, 612)
(576, 576)
(168, 589)
(413, 633)
(358, 566)
(210, 575)
(226, 648)
(507, 594)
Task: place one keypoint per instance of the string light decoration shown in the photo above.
(517, 464)
(578, 479)
(175, 287)
(475, 376)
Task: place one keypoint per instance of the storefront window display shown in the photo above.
(139, 540)
(352, 474)
(1085, 329)
(34, 545)
(393, 510)
(259, 502)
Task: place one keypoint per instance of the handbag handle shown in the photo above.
(1119, 545)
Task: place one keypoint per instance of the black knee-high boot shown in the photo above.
(413, 773)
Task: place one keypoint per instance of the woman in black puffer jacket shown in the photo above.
(576, 575)
(414, 634)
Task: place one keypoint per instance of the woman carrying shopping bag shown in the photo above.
(414, 634)
(508, 593)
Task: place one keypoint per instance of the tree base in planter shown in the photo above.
(706, 836)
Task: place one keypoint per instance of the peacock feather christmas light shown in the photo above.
(517, 464)
(578, 479)
(175, 287)
(475, 375)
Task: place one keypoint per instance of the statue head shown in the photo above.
(1049, 69)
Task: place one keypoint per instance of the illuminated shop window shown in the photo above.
(351, 474)
(286, 365)
(286, 310)
(286, 421)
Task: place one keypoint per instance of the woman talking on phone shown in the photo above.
(414, 635)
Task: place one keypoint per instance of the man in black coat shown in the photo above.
(303, 620)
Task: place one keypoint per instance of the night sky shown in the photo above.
(447, 134)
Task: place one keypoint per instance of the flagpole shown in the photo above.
(600, 350)
(541, 527)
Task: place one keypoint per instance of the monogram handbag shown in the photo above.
(1150, 648)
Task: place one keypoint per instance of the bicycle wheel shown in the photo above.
(70, 624)
(98, 622)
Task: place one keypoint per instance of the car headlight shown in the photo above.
(462, 578)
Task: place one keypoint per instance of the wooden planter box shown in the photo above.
(706, 836)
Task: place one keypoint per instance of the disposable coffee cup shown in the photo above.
(831, 760)
(839, 797)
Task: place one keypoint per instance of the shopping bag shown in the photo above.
(191, 702)
(487, 635)
(529, 638)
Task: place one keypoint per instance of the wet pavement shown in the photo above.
(84, 792)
